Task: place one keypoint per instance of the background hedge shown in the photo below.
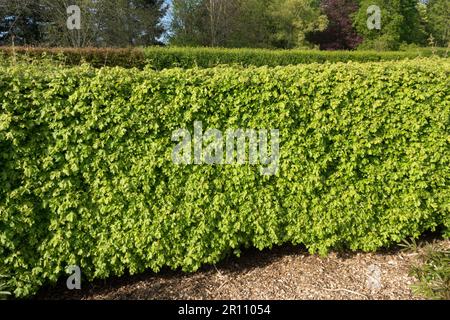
(168, 57)
(107, 57)
(87, 177)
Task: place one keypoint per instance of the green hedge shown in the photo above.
(165, 58)
(107, 57)
(170, 57)
(87, 175)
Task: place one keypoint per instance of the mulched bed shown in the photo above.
(281, 273)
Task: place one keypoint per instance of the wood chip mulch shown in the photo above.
(281, 273)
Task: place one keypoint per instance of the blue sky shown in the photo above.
(166, 22)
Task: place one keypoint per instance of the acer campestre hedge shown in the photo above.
(160, 58)
(87, 176)
(169, 57)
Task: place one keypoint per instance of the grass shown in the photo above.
(432, 272)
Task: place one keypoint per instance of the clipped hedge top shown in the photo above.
(169, 57)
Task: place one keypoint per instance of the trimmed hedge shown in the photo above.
(169, 57)
(87, 175)
(97, 57)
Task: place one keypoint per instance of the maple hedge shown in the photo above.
(87, 176)
(160, 58)
(168, 57)
(97, 57)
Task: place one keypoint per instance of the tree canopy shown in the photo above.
(324, 24)
(112, 23)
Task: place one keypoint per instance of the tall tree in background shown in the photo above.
(205, 22)
(340, 33)
(221, 20)
(254, 26)
(438, 21)
(412, 30)
(400, 23)
(20, 22)
(245, 23)
(331, 24)
(188, 23)
(123, 23)
(56, 33)
(294, 20)
(114, 23)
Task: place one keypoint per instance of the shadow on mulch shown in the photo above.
(249, 259)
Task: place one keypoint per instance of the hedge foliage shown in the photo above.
(160, 58)
(169, 57)
(87, 176)
(97, 57)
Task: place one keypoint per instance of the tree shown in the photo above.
(220, 20)
(438, 21)
(204, 22)
(340, 33)
(189, 23)
(400, 23)
(245, 23)
(116, 23)
(130, 23)
(20, 22)
(253, 26)
(412, 30)
(294, 20)
(56, 32)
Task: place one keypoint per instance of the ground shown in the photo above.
(281, 273)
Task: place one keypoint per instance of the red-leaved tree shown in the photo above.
(340, 34)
